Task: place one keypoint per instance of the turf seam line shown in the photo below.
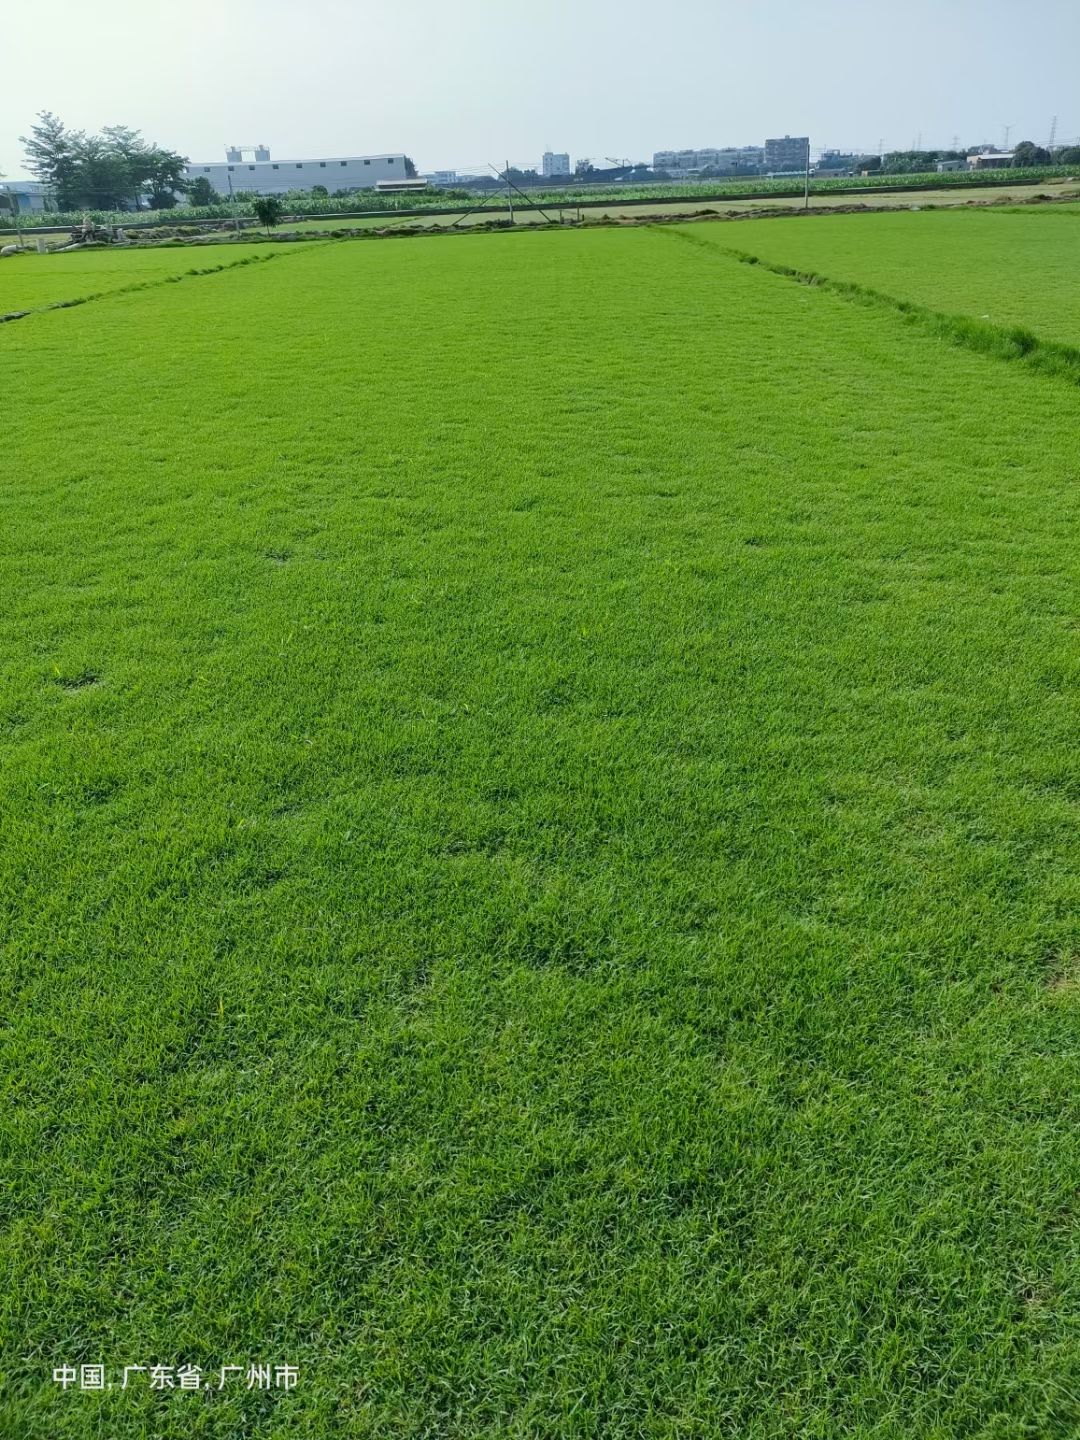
(1002, 342)
(154, 284)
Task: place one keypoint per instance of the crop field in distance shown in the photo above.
(1019, 178)
(540, 856)
(527, 214)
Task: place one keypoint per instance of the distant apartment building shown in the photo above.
(265, 177)
(788, 153)
(729, 159)
(835, 162)
(556, 164)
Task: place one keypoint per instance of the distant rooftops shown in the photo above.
(261, 159)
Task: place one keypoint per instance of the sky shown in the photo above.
(459, 84)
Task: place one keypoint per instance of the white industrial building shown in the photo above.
(268, 177)
(556, 163)
(992, 160)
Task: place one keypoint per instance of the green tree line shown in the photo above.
(110, 171)
(1026, 155)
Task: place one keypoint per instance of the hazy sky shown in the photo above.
(457, 83)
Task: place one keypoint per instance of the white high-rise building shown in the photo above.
(556, 164)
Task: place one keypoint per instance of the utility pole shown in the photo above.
(13, 206)
(509, 193)
(806, 190)
(232, 202)
(1053, 134)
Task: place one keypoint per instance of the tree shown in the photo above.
(320, 190)
(201, 192)
(1069, 156)
(915, 162)
(165, 176)
(50, 156)
(869, 163)
(269, 210)
(131, 149)
(102, 180)
(110, 171)
(410, 168)
(1028, 153)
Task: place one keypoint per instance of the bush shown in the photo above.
(269, 209)
(201, 192)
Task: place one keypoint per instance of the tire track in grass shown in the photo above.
(153, 284)
(1003, 342)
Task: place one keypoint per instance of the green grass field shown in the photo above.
(1010, 266)
(31, 282)
(539, 863)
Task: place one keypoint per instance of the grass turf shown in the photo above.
(30, 282)
(540, 855)
(1008, 266)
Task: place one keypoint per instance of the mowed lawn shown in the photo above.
(1008, 266)
(29, 282)
(539, 869)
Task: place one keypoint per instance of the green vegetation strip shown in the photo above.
(1003, 342)
(359, 205)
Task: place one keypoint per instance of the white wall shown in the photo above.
(29, 194)
(268, 177)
